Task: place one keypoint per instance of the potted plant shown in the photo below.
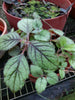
(3, 30)
(57, 22)
(32, 52)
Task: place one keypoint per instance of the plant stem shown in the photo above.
(46, 23)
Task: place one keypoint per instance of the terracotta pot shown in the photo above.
(72, 13)
(3, 26)
(57, 22)
(3, 30)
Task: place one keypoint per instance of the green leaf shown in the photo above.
(36, 71)
(16, 71)
(56, 31)
(36, 31)
(36, 16)
(62, 73)
(40, 84)
(72, 63)
(52, 78)
(43, 55)
(64, 41)
(44, 35)
(62, 62)
(37, 24)
(26, 25)
(9, 40)
(69, 47)
(14, 51)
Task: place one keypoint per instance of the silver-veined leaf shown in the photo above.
(40, 84)
(44, 35)
(52, 78)
(36, 71)
(43, 55)
(16, 71)
(9, 40)
(62, 73)
(26, 25)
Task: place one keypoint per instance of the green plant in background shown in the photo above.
(32, 52)
(26, 9)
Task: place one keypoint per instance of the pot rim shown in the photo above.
(5, 26)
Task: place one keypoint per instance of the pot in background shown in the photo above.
(57, 22)
(3, 30)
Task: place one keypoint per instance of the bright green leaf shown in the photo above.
(40, 84)
(36, 71)
(26, 25)
(64, 41)
(9, 40)
(44, 35)
(69, 47)
(72, 63)
(56, 31)
(16, 71)
(62, 73)
(52, 78)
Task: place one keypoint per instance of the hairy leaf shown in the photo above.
(44, 35)
(62, 73)
(26, 25)
(9, 40)
(40, 84)
(36, 71)
(16, 71)
(52, 78)
(43, 55)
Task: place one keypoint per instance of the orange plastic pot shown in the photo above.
(57, 22)
(3, 26)
(72, 13)
(3, 29)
